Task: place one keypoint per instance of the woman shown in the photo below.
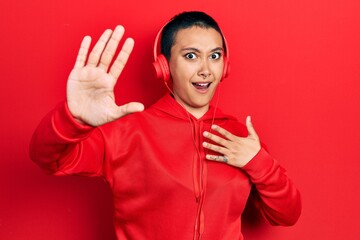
(181, 169)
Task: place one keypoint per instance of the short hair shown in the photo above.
(185, 20)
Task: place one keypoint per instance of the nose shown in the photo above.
(204, 71)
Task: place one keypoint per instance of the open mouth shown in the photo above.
(201, 85)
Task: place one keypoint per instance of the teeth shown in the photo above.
(202, 84)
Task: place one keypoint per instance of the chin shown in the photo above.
(200, 104)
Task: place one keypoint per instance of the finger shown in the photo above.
(216, 139)
(122, 58)
(128, 108)
(83, 51)
(250, 127)
(216, 158)
(223, 132)
(99, 48)
(109, 52)
(215, 148)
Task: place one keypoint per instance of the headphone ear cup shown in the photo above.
(162, 69)
(226, 69)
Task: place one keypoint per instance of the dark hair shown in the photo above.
(185, 20)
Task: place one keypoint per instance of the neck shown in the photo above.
(197, 112)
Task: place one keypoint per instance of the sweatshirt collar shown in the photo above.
(169, 105)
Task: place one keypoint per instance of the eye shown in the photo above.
(190, 56)
(215, 55)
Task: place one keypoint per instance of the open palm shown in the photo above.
(90, 86)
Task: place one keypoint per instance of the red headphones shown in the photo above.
(161, 64)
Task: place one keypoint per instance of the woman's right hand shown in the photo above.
(90, 86)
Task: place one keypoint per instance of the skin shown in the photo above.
(90, 86)
(237, 150)
(196, 57)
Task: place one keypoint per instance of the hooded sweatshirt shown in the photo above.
(162, 185)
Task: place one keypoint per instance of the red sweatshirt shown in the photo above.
(163, 187)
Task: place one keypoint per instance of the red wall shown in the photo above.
(295, 69)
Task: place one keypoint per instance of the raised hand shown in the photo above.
(233, 150)
(90, 86)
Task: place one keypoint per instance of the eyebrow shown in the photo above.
(198, 51)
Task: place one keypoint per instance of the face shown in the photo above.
(196, 66)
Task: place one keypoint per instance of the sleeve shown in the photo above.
(62, 146)
(278, 198)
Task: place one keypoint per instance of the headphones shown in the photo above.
(161, 64)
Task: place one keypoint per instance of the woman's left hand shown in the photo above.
(233, 150)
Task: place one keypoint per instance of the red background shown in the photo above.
(295, 69)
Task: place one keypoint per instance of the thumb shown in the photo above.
(129, 108)
(250, 127)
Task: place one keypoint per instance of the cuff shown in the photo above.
(65, 125)
(260, 165)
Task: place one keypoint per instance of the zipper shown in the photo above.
(200, 179)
